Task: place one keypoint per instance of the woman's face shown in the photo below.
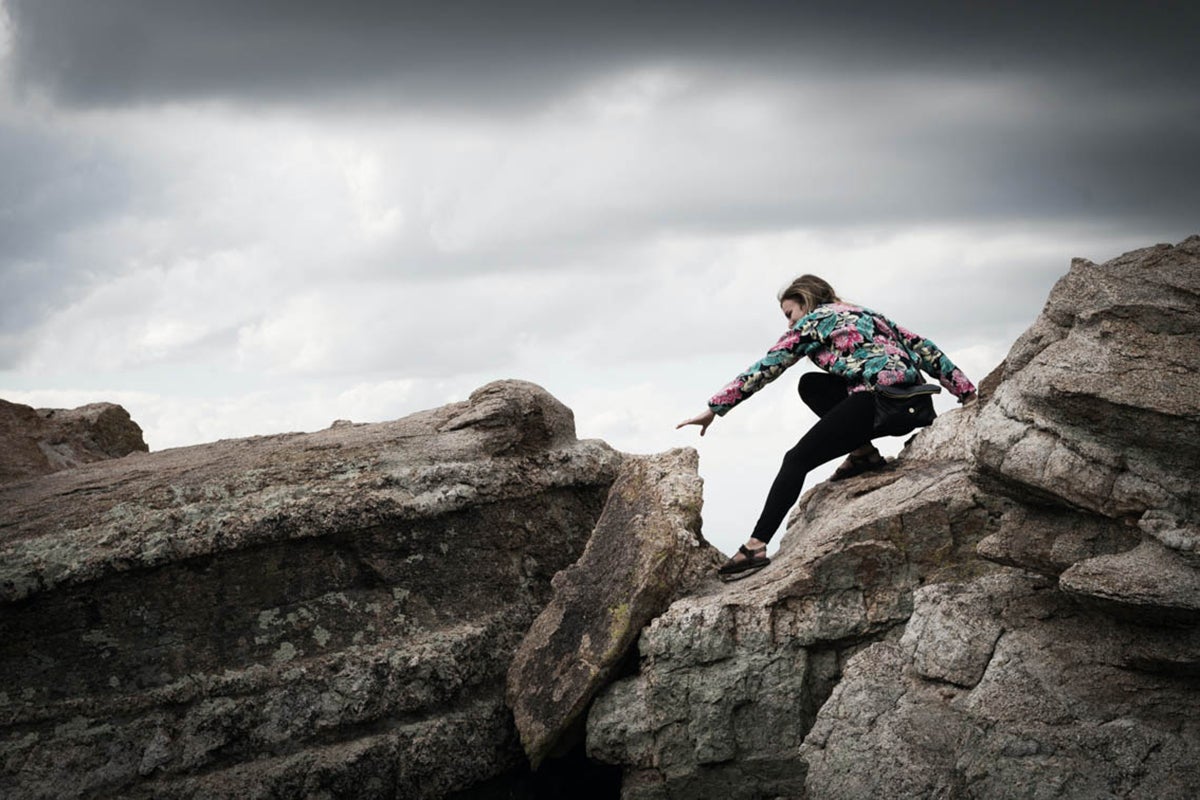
(792, 310)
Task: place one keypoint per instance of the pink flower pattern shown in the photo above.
(860, 345)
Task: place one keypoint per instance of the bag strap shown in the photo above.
(908, 392)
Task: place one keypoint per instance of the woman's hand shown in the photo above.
(968, 398)
(703, 420)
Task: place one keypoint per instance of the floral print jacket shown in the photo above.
(855, 343)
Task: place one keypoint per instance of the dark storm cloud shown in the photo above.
(487, 54)
(52, 188)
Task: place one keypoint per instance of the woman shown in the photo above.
(860, 351)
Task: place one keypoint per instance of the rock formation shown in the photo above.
(44, 440)
(303, 615)
(1011, 613)
(646, 549)
(425, 608)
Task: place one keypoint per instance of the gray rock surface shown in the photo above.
(1044, 699)
(732, 676)
(645, 551)
(1011, 613)
(1099, 404)
(40, 441)
(303, 615)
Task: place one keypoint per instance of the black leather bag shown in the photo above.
(901, 409)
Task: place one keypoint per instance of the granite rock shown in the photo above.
(303, 615)
(1009, 613)
(1099, 403)
(1047, 699)
(40, 441)
(732, 676)
(645, 551)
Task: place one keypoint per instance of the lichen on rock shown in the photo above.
(324, 614)
(646, 550)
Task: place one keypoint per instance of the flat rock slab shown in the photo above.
(1150, 579)
(327, 614)
(646, 548)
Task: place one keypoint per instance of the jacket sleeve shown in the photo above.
(934, 362)
(790, 348)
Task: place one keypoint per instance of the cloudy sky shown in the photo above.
(241, 217)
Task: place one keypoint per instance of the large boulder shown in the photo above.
(301, 615)
(40, 441)
(1012, 613)
(732, 676)
(1099, 402)
(645, 551)
(1004, 687)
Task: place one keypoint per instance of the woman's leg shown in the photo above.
(844, 428)
(821, 391)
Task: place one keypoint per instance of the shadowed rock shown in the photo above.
(1004, 688)
(645, 550)
(40, 441)
(301, 615)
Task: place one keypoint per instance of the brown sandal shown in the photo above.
(754, 561)
(857, 465)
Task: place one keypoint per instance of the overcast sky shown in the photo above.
(240, 217)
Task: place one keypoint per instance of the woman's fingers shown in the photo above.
(703, 420)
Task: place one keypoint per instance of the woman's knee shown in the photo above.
(821, 391)
(798, 459)
(810, 382)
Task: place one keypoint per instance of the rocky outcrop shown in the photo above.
(645, 551)
(1009, 614)
(1099, 402)
(40, 441)
(304, 615)
(1012, 612)
(732, 676)
(1005, 687)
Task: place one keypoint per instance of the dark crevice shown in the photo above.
(827, 662)
(572, 775)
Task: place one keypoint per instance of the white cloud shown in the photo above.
(235, 271)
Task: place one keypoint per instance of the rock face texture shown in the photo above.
(732, 676)
(645, 551)
(304, 615)
(1011, 613)
(40, 441)
(424, 608)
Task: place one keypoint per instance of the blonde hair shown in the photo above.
(809, 291)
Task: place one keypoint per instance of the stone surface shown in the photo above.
(1049, 540)
(731, 677)
(1149, 579)
(1048, 700)
(40, 441)
(1099, 404)
(1011, 613)
(645, 550)
(303, 615)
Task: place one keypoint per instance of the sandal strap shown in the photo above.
(748, 553)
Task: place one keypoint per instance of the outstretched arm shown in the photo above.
(787, 351)
(703, 420)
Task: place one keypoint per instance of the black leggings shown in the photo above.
(847, 422)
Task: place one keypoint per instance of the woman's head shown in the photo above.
(803, 295)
